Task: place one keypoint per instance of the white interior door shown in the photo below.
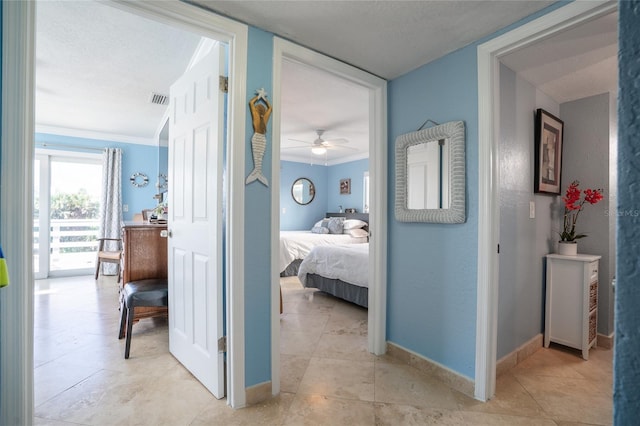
(195, 221)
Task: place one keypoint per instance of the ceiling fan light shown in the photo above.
(319, 150)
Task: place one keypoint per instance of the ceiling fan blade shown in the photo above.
(338, 147)
(301, 141)
(336, 141)
(295, 147)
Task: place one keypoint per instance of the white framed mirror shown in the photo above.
(430, 175)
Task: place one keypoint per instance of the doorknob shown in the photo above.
(164, 233)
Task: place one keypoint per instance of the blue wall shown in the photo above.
(257, 276)
(626, 387)
(353, 170)
(432, 268)
(432, 281)
(295, 216)
(135, 158)
(328, 198)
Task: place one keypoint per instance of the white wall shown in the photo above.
(524, 241)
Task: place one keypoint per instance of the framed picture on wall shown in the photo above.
(548, 152)
(345, 186)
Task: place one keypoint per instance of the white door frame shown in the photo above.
(489, 54)
(16, 309)
(377, 87)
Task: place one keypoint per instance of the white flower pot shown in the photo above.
(568, 248)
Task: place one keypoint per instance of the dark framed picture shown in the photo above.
(548, 152)
(345, 186)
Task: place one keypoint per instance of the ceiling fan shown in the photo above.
(320, 146)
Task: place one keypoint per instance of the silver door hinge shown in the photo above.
(224, 84)
(222, 344)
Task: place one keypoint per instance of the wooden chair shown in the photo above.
(146, 214)
(106, 256)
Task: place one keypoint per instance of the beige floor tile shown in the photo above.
(402, 384)
(292, 369)
(316, 410)
(392, 415)
(56, 376)
(569, 399)
(82, 377)
(511, 398)
(99, 400)
(351, 322)
(339, 378)
(301, 322)
(349, 347)
(39, 421)
(599, 367)
(170, 400)
(299, 343)
(271, 412)
(553, 362)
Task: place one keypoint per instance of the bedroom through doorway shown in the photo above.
(324, 222)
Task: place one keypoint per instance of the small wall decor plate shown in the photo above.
(139, 180)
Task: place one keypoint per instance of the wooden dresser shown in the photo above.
(144, 256)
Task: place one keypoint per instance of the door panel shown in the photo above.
(195, 221)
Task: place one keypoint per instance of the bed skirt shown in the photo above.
(349, 292)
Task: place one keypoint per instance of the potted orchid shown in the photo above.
(574, 201)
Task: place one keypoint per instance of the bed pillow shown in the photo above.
(320, 230)
(354, 224)
(324, 223)
(335, 225)
(357, 233)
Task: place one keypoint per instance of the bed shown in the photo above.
(340, 270)
(295, 245)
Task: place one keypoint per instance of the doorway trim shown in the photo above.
(18, 98)
(489, 54)
(285, 50)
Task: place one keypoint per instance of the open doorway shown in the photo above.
(285, 54)
(324, 169)
(489, 55)
(18, 84)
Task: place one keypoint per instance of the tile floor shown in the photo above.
(328, 377)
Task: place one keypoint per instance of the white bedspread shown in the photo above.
(297, 244)
(349, 263)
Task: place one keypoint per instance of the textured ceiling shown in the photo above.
(313, 99)
(97, 65)
(574, 64)
(386, 38)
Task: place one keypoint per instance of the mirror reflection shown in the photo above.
(428, 175)
(303, 191)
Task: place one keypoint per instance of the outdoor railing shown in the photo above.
(73, 243)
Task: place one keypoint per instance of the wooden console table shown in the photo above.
(144, 256)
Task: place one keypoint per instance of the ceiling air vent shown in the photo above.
(159, 99)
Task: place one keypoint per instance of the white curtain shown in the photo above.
(111, 202)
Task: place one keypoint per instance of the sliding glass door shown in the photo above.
(66, 211)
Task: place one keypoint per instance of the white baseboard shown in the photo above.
(455, 380)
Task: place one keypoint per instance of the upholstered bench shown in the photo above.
(150, 292)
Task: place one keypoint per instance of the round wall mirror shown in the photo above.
(303, 191)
